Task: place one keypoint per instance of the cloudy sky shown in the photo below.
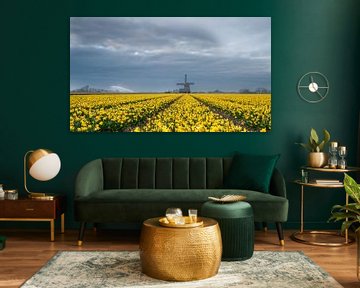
(153, 54)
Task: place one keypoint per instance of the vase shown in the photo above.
(317, 159)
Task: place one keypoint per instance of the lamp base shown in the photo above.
(41, 196)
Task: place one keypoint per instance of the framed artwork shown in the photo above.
(176, 74)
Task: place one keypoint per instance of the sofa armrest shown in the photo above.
(277, 184)
(89, 179)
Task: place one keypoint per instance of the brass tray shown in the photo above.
(165, 222)
(228, 198)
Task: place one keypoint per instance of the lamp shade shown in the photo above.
(43, 164)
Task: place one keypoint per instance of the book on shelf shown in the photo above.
(327, 181)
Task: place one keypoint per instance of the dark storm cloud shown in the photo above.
(140, 35)
(152, 54)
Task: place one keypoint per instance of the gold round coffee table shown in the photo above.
(180, 254)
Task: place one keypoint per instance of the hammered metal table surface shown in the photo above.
(180, 254)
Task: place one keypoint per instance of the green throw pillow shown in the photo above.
(251, 172)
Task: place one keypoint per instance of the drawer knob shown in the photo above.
(29, 209)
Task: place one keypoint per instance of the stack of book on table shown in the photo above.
(327, 181)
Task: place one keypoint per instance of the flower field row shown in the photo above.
(250, 111)
(95, 113)
(188, 115)
(164, 112)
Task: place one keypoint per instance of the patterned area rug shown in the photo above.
(122, 269)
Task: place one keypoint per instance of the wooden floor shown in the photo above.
(28, 250)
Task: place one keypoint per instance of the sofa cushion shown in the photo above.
(266, 207)
(136, 202)
(251, 172)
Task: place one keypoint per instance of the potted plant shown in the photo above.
(350, 213)
(317, 157)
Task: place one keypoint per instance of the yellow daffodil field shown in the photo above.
(170, 112)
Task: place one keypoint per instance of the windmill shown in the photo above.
(186, 85)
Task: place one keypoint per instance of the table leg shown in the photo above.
(63, 223)
(52, 230)
(346, 230)
(302, 209)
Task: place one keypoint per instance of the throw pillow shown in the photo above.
(251, 172)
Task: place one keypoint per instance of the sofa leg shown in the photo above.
(265, 227)
(280, 233)
(81, 233)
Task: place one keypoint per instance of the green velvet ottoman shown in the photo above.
(236, 221)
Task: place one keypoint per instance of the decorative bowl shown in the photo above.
(188, 224)
(228, 198)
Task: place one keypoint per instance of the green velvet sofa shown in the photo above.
(130, 190)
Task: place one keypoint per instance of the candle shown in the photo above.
(342, 149)
(342, 154)
(333, 144)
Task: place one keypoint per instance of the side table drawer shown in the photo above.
(30, 209)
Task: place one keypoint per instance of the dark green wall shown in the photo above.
(307, 35)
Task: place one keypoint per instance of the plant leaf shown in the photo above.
(337, 216)
(314, 136)
(346, 225)
(313, 145)
(326, 136)
(345, 213)
(306, 146)
(352, 207)
(352, 188)
(321, 146)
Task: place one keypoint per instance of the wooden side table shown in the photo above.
(26, 209)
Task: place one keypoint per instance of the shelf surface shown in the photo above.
(313, 184)
(348, 169)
